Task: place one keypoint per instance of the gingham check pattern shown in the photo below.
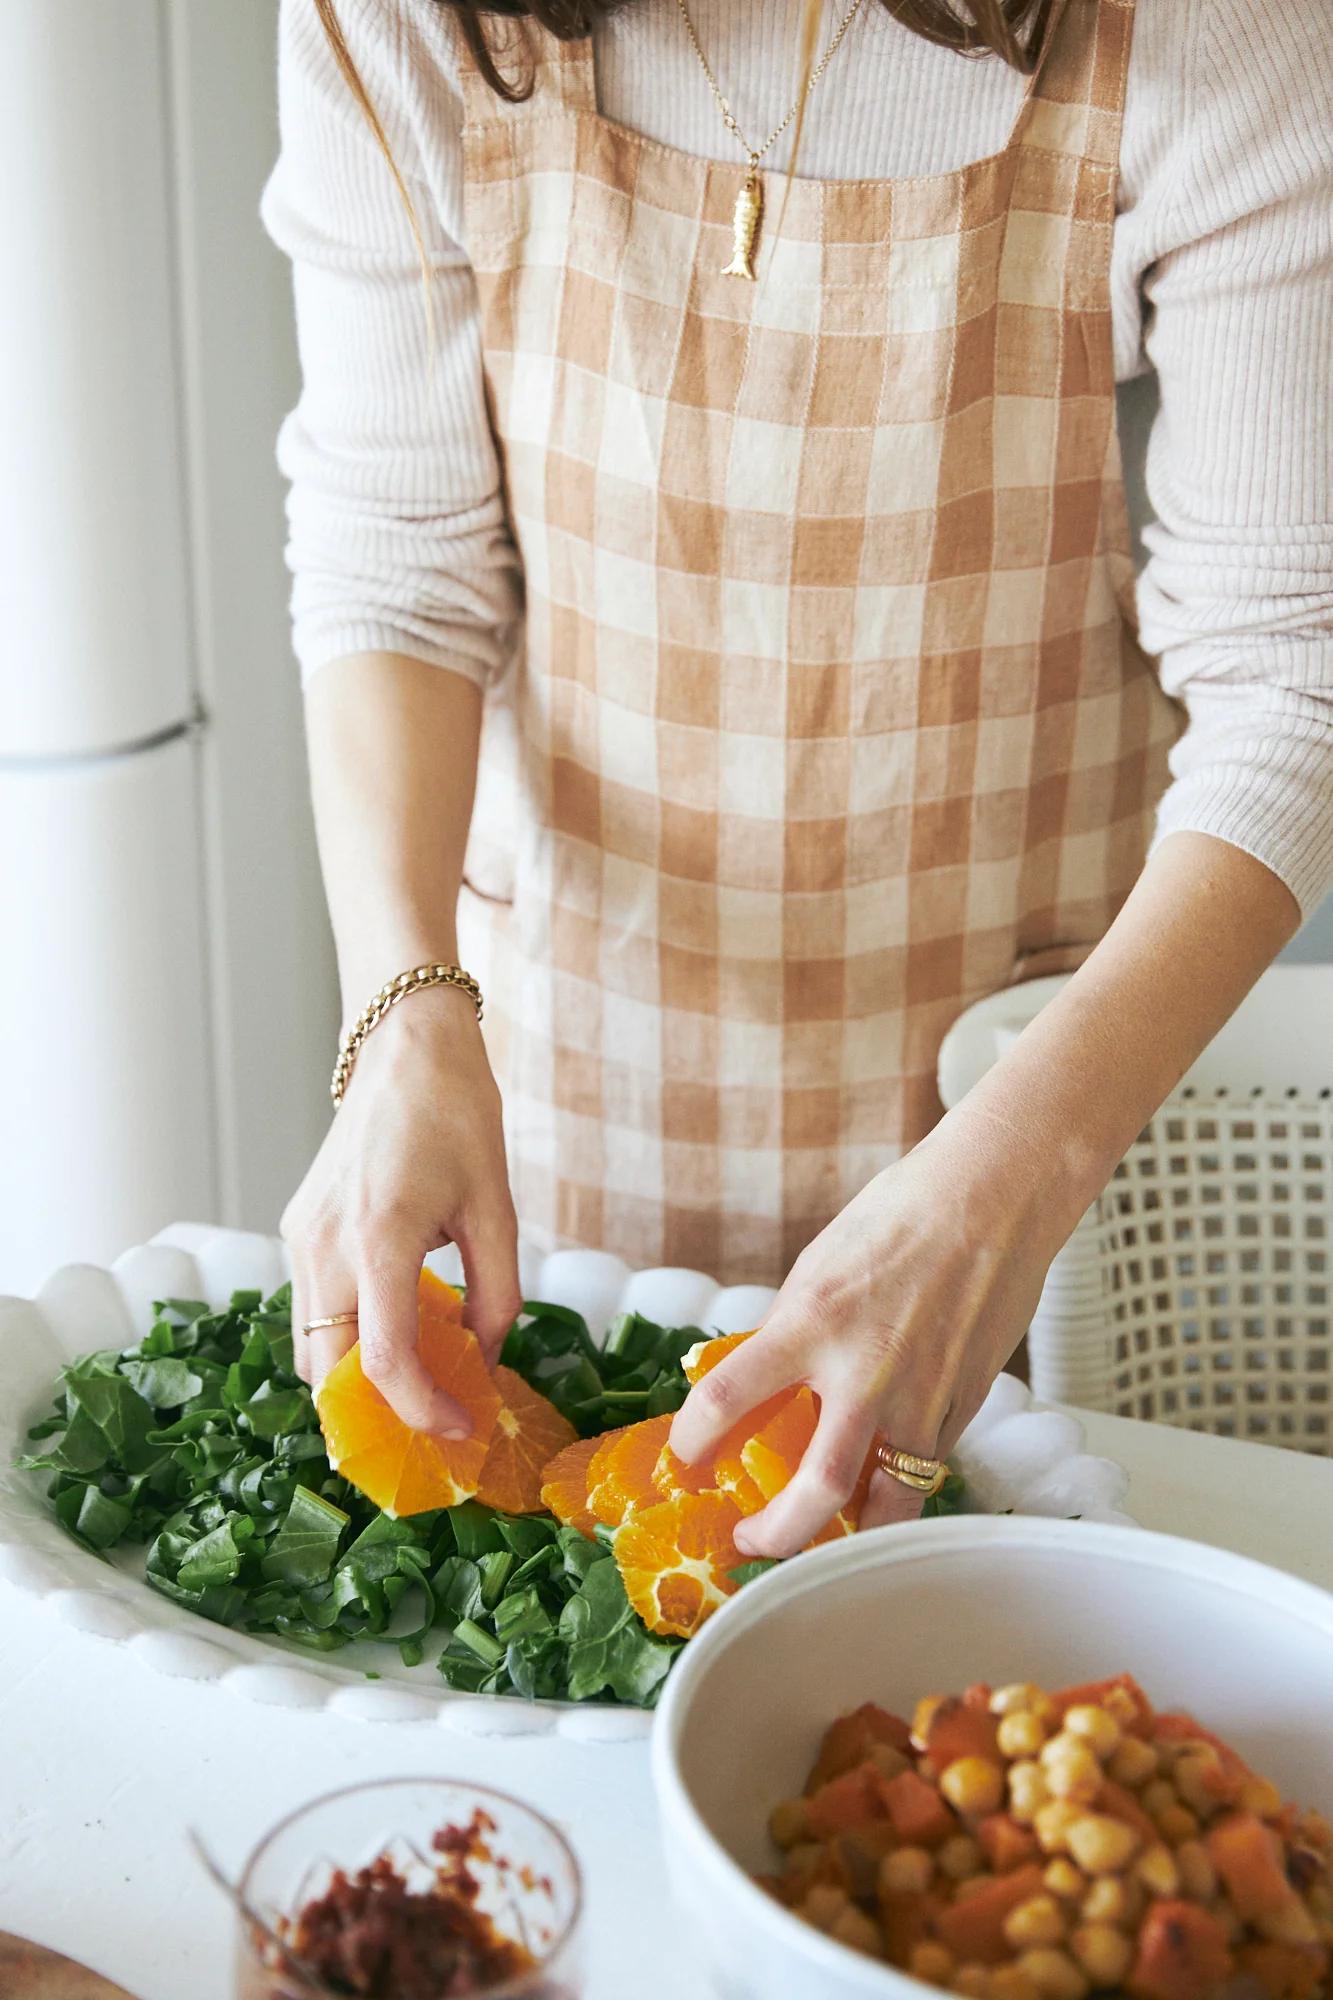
(830, 716)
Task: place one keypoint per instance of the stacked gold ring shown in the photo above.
(331, 1319)
(922, 1475)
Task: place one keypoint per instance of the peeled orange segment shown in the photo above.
(671, 1475)
(622, 1478)
(565, 1484)
(773, 1454)
(402, 1470)
(676, 1560)
(706, 1354)
(529, 1433)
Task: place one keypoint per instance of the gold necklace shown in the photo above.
(750, 200)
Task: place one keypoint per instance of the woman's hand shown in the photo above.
(899, 1316)
(414, 1159)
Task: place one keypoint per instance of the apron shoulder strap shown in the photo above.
(1075, 97)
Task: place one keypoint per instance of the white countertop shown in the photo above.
(104, 1764)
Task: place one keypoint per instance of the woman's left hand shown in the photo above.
(899, 1315)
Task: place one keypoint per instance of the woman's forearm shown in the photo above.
(1080, 1083)
(393, 767)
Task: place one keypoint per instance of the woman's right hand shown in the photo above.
(414, 1159)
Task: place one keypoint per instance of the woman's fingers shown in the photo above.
(387, 1294)
(889, 1501)
(489, 1249)
(822, 1483)
(751, 1373)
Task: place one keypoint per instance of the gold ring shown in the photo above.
(333, 1319)
(922, 1475)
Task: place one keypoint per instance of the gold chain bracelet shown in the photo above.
(388, 996)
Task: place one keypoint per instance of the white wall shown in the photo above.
(167, 1008)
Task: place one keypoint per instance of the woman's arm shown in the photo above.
(405, 584)
(904, 1309)
(415, 1156)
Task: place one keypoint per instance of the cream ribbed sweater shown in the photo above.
(1222, 285)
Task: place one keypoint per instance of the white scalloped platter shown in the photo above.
(1016, 1457)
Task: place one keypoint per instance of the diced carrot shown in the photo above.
(1183, 1954)
(860, 1853)
(921, 1818)
(1119, 1804)
(823, 1863)
(1184, 1729)
(850, 1740)
(1094, 1693)
(958, 1729)
(905, 1922)
(1248, 1857)
(1006, 1844)
(1284, 1971)
(854, 1799)
(974, 1928)
(978, 1696)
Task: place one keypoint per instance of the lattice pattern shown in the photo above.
(1196, 1292)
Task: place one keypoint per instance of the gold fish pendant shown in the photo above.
(745, 227)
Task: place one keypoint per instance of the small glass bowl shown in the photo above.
(531, 1888)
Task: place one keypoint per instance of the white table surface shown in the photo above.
(104, 1764)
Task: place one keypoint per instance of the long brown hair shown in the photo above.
(495, 32)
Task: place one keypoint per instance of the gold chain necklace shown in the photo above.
(750, 200)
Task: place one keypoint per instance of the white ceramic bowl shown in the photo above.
(929, 1608)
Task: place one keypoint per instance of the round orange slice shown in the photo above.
(621, 1477)
(676, 1560)
(402, 1470)
(529, 1433)
(565, 1484)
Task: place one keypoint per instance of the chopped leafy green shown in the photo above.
(201, 1443)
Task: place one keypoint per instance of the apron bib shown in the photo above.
(829, 715)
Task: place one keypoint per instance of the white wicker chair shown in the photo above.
(1196, 1290)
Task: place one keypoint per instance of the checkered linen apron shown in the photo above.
(829, 716)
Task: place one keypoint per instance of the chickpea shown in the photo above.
(1064, 1880)
(1028, 1792)
(1052, 1823)
(1101, 1845)
(1121, 1706)
(1134, 1763)
(1192, 1775)
(972, 1981)
(1054, 1973)
(974, 1785)
(907, 1871)
(1176, 1824)
(853, 1927)
(922, 1717)
(1260, 1797)
(1105, 1954)
(960, 1858)
(1198, 1877)
(824, 1904)
(1021, 1734)
(1157, 1796)
(1017, 1696)
(1111, 1901)
(1071, 1770)
(932, 1962)
(789, 1823)
(1156, 1869)
(1038, 1921)
(1094, 1726)
(1010, 1982)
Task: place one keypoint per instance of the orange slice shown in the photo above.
(706, 1354)
(565, 1484)
(529, 1433)
(622, 1476)
(402, 1470)
(772, 1455)
(676, 1560)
